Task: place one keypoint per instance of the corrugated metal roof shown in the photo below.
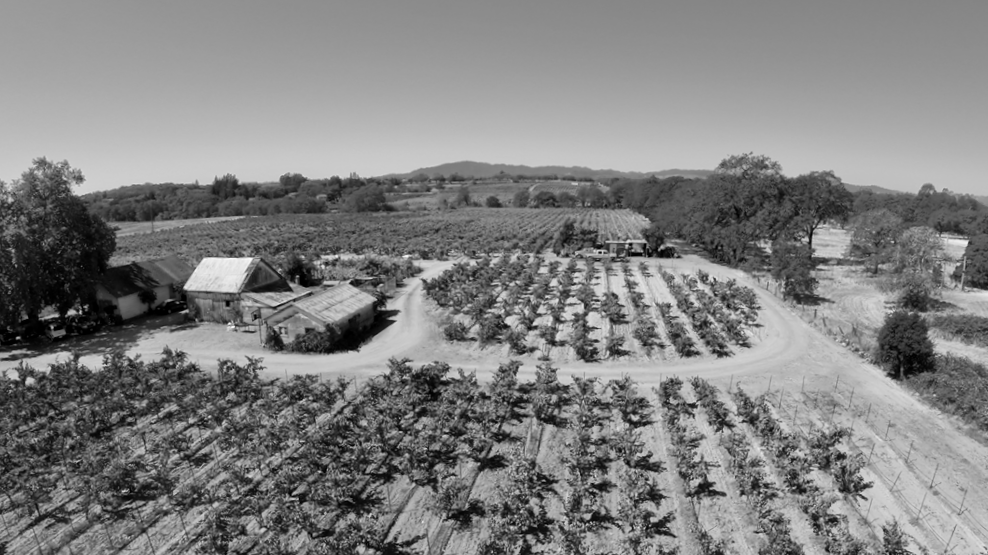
(335, 304)
(121, 281)
(222, 275)
(276, 299)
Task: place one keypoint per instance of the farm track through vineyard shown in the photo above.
(787, 358)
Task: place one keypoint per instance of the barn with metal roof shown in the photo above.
(341, 308)
(216, 288)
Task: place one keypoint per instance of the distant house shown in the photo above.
(119, 289)
(341, 308)
(215, 290)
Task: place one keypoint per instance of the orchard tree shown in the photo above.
(873, 235)
(904, 346)
(492, 202)
(521, 199)
(54, 250)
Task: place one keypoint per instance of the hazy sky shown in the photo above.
(890, 92)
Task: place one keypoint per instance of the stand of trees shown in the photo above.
(52, 249)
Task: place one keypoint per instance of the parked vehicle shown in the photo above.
(8, 336)
(170, 306)
(55, 330)
(80, 324)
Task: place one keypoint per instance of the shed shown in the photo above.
(216, 288)
(120, 287)
(262, 305)
(636, 247)
(342, 308)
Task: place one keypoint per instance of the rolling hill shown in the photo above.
(483, 170)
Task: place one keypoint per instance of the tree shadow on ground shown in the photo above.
(811, 299)
(109, 339)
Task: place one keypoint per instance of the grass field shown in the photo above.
(134, 228)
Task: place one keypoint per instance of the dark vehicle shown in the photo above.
(8, 336)
(170, 306)
(81, 325)
(668, 251)
(55, 330)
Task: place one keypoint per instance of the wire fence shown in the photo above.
(891, 456)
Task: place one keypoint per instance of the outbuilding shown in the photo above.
(216, 289)
(119, 290)
(341, 308)
(628, 247)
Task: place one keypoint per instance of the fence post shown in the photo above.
(910, 452)
(837, 383)
(894, 482)
(794, 413)
(871, 453)
(769, 384)
(781, 393)
(919, 513)
(935, 470)
(960, 510)
(802, 387)
(851, 399)
(946, 548)
(868, 413)
(887, 430)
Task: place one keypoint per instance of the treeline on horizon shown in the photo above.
(677, 202)
(293, 193)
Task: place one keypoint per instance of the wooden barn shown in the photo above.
(216, 289)
(341, 308)
(118, 292)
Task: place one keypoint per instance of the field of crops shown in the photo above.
(435, 235)
(592, 311)
(163, 458)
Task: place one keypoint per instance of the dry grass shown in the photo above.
(134, 228)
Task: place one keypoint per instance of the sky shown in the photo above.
(883, 92)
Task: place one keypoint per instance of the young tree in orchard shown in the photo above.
(55, 249)
(815, 199)
(873, 235)
(904, 346)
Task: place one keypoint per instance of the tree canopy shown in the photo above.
(52, 250)
(904, 346)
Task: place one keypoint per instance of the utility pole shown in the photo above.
(963, 272)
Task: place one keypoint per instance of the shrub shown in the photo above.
(966, 327)
(273, 340)
(322, 342)
(455, 331)
(904, 345)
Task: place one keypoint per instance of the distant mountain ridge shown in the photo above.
(485, 170)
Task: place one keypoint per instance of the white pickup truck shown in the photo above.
(596, 254)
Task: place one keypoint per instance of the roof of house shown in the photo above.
(333, 305)
(274, 299)
(224, 275)
(121, 281)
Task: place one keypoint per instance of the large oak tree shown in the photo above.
(53, 250)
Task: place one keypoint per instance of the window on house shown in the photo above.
(282, 330)
(308, 330)
(228, 304)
